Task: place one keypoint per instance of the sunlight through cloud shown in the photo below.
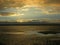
(16, 14)
(25, 9)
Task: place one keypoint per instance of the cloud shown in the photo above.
(47, 6)
(20, 3)
(14, 15)
(42, 4)
(49, 9)
(32, 2)
(18, 14)
(11, 3)
(0, 15)
(52, 10)
(6, 13)
(25, 9)
(10, 14)
(52, 1)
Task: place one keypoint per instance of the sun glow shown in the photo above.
(16, 14)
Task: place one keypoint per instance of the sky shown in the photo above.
(29, 9)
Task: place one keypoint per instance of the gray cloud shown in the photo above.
(52, 1)
(21, 3)
(11, 3)
(6, 13)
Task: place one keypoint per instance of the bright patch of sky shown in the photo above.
(28, 13)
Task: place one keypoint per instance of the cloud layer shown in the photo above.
(29, 2)
(52, 1)
(47, 6)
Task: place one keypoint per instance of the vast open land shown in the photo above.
(28, 35)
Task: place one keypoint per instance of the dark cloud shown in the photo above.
(6, 13)
(21, 3)
(11, 3)
(52, 1)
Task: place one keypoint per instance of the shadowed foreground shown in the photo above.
(29, 35)
(21, 39)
